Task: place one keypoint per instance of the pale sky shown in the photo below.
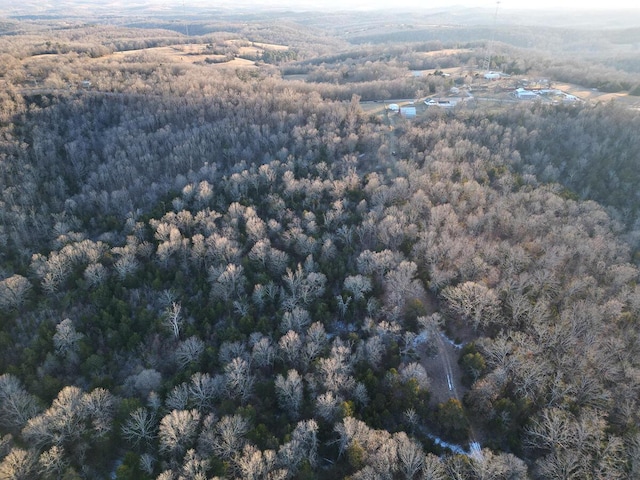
(548, 4)
(507, 4)
(566, 6)
(420, 4)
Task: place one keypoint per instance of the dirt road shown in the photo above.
(446, 380)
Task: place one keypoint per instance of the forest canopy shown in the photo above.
(222, 255)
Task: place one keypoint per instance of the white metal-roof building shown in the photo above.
(522, 94)
(447, 102)
(408, 112)
(492, 75)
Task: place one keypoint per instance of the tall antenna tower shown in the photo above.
(184, 11)
(486, 64)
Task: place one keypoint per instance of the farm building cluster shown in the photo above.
(549, 94)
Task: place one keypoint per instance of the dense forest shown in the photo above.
(222, 256)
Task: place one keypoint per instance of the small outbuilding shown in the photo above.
(446, 102)
(394, 107)
(408, 112)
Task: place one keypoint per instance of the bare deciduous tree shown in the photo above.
(95, 274)
(146, 381)
(230, 350)
(19, 464)
(302, 446)
(297, 320)
(178, 397)
(73, 421)
(178, 430)
(204, 389)
(415, 371)
(432, 468)
(147, 463)
(315, 342)
(229, 284)
(61, 423)
(303, 287)
(172, 318)
(229, 435)
(126, 265)
(52, 463)
(374, 349)
(66, 338)
(239, 379)
(189, 351)
(254, 464)
(140, 427)
(327, 405)
(263, 352)
(402, 286)
(358, 285)
(100, 406)
(290, 346)
(194, 467)
(410, 454)
(289, 391)
(13, 291)
(474, 302)
(17, 406)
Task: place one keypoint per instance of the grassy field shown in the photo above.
(199, 52)
(592, 95)
(446, 51)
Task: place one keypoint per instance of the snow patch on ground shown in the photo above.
(444, 444)
(448, 340)
(421, 338)
(475, 449)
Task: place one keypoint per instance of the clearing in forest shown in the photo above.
(201, 52)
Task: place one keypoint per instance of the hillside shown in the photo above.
(223, 256)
